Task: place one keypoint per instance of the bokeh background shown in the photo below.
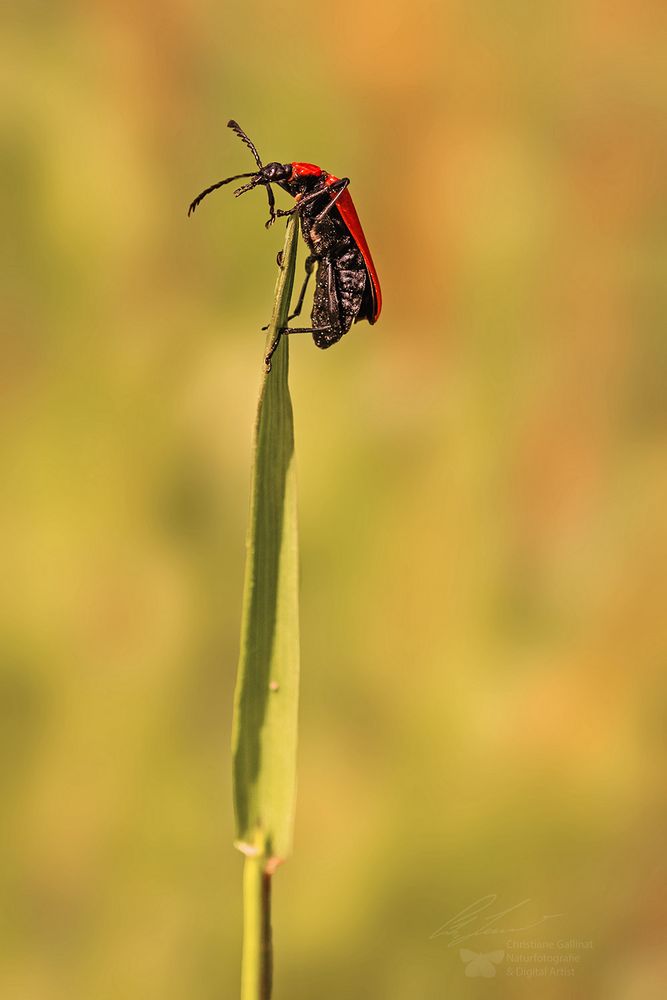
(481, 484)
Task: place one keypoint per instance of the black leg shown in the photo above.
(310, 263)
(338, 186)
(303, 329)
(342, 184)
(284, 330)
(272, 350)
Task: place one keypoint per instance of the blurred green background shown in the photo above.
(481, 485)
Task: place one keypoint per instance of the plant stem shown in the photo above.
(257, 959)
(266, 699)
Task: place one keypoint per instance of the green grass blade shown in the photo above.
(266, 700)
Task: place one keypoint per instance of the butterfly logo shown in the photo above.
(481, 964)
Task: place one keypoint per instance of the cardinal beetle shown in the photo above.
(347, 288)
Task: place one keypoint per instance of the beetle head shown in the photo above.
(276, 172)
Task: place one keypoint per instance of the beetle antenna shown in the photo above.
(235, 127)
(214, 187)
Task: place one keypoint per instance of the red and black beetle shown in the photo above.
(347, 288)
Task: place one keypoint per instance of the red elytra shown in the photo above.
(348, 213)
(345, 206)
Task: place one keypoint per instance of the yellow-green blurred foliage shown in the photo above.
(480, 478)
